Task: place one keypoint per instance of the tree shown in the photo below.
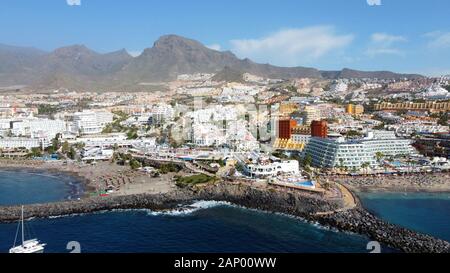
(379, 156)
(50, 150)
(134, 164)
(169, 168)
(35, 152)
(341, 163)
(71, 153)
(108, 129)
(307, 160)
(46, 109)
(79, 145)
(291, 88)
(353, 133)
(56, 143)
(279, 154)
(115, 147)
(365, 165)
(379, 127)
(132, 134)
(65, 148)
(443, 119)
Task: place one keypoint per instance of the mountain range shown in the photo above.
(78, 67)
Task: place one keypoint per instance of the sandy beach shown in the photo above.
(102, 176)
(125, 181)
(432, 182)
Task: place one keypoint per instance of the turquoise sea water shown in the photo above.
(34, 186)
(424, 212)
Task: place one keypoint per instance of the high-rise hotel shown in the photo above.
(341, 152)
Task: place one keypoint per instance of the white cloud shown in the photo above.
(383, 43)
(215, 47)
(374, 2)
(292, 46)
(438, 39)
(387, 38)
(134, 53)
(73, 2)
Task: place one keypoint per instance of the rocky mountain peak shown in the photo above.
(73, 51)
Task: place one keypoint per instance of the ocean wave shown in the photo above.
(189, 209)
(180, 211)
(186, 210)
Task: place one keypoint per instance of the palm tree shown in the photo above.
(341, 163)
(365, 165)
(379, 156)
(307, 161)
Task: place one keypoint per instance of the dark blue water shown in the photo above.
(424, 212)
(209, 227)
(214, 229)
(34, 186)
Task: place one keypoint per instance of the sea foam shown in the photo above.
(189, 209)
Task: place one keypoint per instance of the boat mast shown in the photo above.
(22, 229)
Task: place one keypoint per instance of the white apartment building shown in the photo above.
(214, 113)
(90, 122)
(435, 91)
(369, 86)
(101, 140)
(311, 113)
(97, 154)
(408, 128)
(336, 152)
(160, 113)
(37, 128)
(207, 135)
(46, 128)
(260, 166)
(339, 87)
(239, 137)
(239, 93)
(21, 142)
(4, 126)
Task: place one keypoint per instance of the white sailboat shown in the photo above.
(29, 246)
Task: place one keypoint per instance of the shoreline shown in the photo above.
(413, 183)
(412, 190)
(356, 220)
(312, 208)
(97, 178)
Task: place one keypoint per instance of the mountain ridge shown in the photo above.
(171, 55)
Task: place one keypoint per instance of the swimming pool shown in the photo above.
(305, 184)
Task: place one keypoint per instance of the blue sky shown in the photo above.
(398, 35)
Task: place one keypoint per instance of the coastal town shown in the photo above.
(319, 142)
(220, 136)
(300, 134)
